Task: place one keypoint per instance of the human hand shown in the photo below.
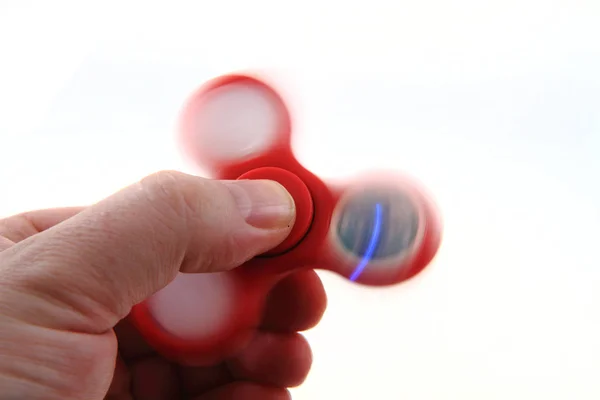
(69, 277)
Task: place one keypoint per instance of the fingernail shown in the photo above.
(264, 204)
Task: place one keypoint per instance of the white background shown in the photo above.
(494, 105)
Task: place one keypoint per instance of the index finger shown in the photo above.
(21, 226)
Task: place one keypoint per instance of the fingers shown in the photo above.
(19, 227)
(276, 359)
(244, 391)
(297, 303)
(88, 271)
(120, 387)
(270, 360)
(283, 359)
(154, 378)
(197, 380)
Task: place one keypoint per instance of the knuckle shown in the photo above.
(17, 228)
(172, 193)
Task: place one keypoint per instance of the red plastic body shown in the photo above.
(310, 245)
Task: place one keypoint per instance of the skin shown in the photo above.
(69, 277)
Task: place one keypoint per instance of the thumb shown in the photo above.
(86, 273)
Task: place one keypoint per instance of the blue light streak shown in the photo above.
(372, 244)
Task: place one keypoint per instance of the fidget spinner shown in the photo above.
(378, 230)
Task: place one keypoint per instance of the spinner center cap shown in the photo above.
(302, 198)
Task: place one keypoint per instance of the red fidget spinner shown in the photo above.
(379, 230)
